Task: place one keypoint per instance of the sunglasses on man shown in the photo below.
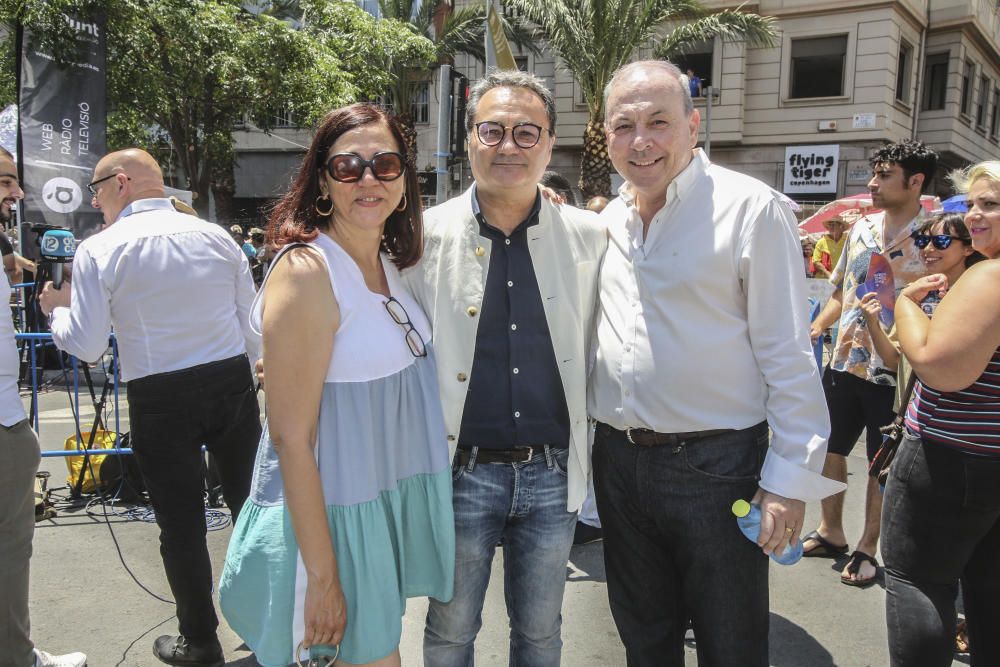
(940, 241)
(350, 167)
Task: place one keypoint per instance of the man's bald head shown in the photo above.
(123, 177)
(143, 171)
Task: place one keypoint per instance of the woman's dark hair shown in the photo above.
(294, 218)
(952, 224)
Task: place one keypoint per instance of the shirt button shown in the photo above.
(510, 283)
(516, 415)
(480, 251)
(628, 348)
(507, 241)
(451, 438)
(628, 393)
(461, 377)
(472, 311)
(516, 371)
(513, 327)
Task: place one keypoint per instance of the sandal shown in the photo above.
(854, 565)
(824, 548)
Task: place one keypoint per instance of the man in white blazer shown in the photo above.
(509, 281)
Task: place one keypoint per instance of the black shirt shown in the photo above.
(515, 396)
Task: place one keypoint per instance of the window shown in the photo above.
(984, 100)
(283, 118)
(903, 65)
(699, 61)
(967, 74)
(995, 116)
(935, 81)
(818, 67)
(522, 63)
(420, 110)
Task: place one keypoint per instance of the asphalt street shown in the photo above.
(82, 597)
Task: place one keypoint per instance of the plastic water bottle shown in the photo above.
(748, 519)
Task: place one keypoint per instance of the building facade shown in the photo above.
(803, 116)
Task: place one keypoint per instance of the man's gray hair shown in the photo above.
(509, 79)
(664, 67)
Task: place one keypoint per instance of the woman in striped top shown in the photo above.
(941, 513)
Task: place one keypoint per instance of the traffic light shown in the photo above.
(459, 96)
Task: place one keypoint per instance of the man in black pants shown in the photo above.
(178, 293)
(859, 386)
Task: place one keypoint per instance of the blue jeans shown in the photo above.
(525, 504)
(673, 551)
(941, 523)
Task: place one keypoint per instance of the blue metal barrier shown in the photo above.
(35, 339)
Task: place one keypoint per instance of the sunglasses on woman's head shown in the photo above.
(940, 241)
(350, 167)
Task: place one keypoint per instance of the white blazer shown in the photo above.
(566, 248)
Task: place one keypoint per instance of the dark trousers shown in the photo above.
(673, 551)
(941, 523)
(171, 416)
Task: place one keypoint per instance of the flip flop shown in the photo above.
(824, 548)
(854, 565)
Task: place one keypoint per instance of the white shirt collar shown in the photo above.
(678, 187)
(150, 204)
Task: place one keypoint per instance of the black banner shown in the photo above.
(62, 129)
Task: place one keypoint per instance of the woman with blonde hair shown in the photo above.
(941, 514)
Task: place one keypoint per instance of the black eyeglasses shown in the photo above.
(940, 241)
(525, 135)
(413, 338)
(350, 167)
(93, 190)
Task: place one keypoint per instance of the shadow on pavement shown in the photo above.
(586, 563)
(792, 646)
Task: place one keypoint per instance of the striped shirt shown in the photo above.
(968, 420)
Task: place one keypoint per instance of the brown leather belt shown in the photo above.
(644, 437)
(512, 455)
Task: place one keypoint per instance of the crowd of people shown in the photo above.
(484, 372)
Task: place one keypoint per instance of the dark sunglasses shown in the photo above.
(350, 167)
(413, 338)
(525, 135)
(940, 241)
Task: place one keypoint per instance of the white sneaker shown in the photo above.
(43, 659)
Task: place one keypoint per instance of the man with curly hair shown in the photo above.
(859, 385)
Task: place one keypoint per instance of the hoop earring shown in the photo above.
(402, 204)
(327, 212)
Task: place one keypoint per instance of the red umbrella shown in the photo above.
(861, 203)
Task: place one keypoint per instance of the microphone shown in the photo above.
(58, 246)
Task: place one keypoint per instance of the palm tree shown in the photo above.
(596, 37)
(453, 31)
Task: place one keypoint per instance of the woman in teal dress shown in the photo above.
(350, 508)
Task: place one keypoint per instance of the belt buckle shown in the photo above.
(531, 452)
(628, 435)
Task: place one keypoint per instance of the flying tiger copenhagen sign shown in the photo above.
(811, 169)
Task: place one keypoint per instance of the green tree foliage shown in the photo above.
(596, 37)
(183, 73)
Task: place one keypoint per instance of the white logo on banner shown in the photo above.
(62, 195)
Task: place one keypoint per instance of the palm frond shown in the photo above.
(463, 32)
(731, 25)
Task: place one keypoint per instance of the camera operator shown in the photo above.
(20, 451)
(178, 293)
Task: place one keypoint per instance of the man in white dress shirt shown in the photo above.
(178, 292)
(703, 343)
(20, 452)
